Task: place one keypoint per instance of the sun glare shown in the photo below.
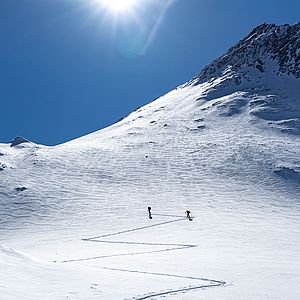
(119, 6)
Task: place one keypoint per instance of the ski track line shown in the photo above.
(124, 254)
(134, 229)
(181, 290)
(213, 283)
(164, 215)
(139, 243)
(161, 274)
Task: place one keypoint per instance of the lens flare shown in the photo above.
(118, 6)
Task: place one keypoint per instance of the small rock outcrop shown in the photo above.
(18, 140)
(21, 189)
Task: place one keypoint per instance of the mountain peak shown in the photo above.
(264, 44)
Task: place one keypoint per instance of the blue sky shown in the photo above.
(68, 68)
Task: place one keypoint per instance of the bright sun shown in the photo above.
(118, 6)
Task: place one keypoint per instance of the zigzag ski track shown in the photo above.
(206, 283)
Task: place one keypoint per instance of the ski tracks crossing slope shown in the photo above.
(104, 239)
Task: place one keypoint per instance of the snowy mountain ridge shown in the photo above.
(280, 44)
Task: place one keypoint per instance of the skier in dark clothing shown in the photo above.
(149, 212)
(188, 215)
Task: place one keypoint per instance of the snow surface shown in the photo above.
(226, 149)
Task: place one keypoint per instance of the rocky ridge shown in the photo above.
(266, 43)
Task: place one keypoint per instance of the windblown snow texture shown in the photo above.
(74, 222)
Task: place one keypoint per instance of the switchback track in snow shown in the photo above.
(206, 283)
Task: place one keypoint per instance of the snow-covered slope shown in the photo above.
(225, 145)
